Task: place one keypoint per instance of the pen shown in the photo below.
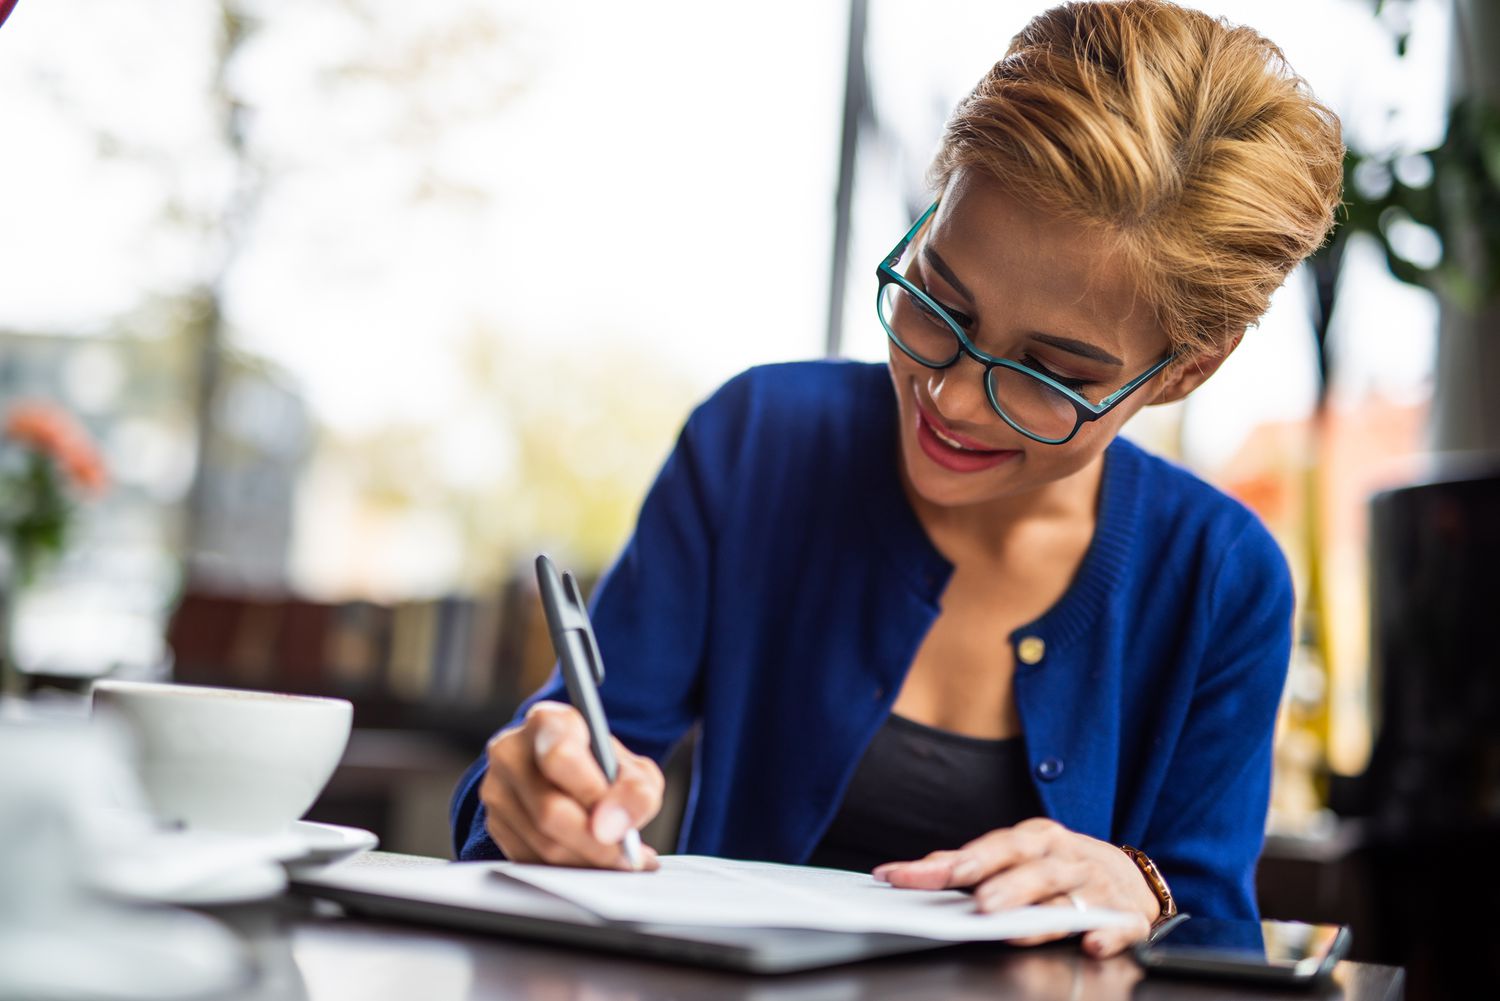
(582, 671)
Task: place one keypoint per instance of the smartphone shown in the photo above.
(1268, 952)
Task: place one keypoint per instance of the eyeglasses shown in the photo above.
(1032, 402)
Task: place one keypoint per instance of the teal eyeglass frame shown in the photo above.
(1084, 411)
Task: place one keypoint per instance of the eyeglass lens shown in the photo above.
(1024, 400)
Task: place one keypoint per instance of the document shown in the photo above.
(700, 891)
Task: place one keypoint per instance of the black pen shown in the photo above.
(582, 671)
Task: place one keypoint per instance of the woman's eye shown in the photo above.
(958, 317)
(928, 313)
(1031, 362)
(962, 319)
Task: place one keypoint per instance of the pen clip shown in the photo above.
(575, 596)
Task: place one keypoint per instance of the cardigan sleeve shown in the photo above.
(1208, 827)
(650, 610)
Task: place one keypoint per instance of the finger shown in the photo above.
(1101, 943)
(518, 849)
(1000, 850)
(506, 818)
(1061, 900)
(631, 802)
(984, 856)
(498, 805)
(559, 740)
(936, 871)
(508, 839)
(1031, 882)
(500, 813)
(556, 825)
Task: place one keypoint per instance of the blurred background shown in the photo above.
(363, 303)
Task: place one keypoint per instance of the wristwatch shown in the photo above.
(1154, 880)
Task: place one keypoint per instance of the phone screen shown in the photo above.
(1288, 949)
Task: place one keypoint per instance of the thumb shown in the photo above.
(631, 802)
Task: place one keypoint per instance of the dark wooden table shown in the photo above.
(309, 950)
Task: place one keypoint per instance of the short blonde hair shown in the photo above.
(1190, 140)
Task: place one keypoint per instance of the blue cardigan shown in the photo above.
(777, 587)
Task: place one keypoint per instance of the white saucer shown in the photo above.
(204, 868)
(325, 843)
(251, 881)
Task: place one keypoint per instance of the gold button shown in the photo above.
(1031, 649)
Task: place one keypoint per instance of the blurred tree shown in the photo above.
(392, 79)
(542, 454)
(1436, 215)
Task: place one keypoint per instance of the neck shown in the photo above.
(989, 531)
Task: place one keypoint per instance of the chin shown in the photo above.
(946, 488)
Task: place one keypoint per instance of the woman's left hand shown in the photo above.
(1039, 861)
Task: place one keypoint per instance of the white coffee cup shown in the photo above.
(229, 760)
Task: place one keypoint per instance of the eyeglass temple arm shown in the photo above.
(895, 255)
(1135, 383)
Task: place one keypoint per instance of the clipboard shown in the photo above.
(473, 896)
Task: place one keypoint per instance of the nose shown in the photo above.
(958, 394)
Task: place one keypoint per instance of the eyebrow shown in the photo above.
(1081, 348)
(941, 267)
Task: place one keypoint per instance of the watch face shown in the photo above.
(1154, 880)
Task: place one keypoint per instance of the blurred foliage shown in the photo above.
(1397, 16)
(37, 515)
(544, 451)
(1435, 213)
(55, 459)
(1451, 191)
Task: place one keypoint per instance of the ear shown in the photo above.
(1181, 378)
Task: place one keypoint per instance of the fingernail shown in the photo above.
(881, 871)
(611, 824)
(546, 740)
(965, 872)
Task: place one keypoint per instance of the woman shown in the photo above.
(933, 616)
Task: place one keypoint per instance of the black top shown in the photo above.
(919, 789)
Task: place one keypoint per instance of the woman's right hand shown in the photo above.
(546, 799)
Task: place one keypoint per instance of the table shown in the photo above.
(309, 950)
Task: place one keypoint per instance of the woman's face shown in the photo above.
(1030, 287)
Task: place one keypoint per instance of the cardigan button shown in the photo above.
(1031, 649)
(1049, 769)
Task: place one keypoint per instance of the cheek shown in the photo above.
(903, 371)
(1050, 463)
(1087, 445)
(901, 366)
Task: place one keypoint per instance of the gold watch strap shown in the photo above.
(1155, 881)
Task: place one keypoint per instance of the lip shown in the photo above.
(947, 432)
(951, 458)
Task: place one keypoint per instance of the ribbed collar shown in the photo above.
(889, 516)
(1108, 554)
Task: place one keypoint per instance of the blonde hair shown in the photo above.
(1190, 140)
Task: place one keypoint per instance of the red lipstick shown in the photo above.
(972, 458)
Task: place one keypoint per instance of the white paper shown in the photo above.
(694, 890)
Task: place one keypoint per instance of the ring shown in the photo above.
(1077, 901)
